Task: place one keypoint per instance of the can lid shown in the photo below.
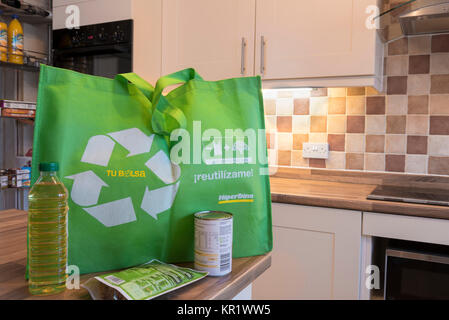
(49, 166)
(213, 215)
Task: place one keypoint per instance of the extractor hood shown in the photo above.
(428, 19)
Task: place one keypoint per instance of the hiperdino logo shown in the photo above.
(87, 186)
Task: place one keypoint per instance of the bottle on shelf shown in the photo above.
(15, 41)
(47, 233)
(3, 40)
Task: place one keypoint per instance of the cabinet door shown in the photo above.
(311, 39)
(316, 254)
(208, 35)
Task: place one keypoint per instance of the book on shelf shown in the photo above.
(18, 113)
(10, 104)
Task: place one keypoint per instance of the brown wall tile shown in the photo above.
(356, 91)
(318, 124)
(375, 105)
(419, 64)
(317, 163)
(284, 124)
(336, 142)
(439, 84)
(440, 43)
(396, 124)
(417, 145)
(337, 105)
(355, 124)
(395, 163)
(418, 104)
(375, 143)
(302, 106)
(271, 140)
(284, 158)
(299, 140)
(439, 104)
(399, 46)
(439, 165)
(355, 161)
(419, 44)
(439, 125)
(397, 85)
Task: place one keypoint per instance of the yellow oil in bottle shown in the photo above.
(47, 233)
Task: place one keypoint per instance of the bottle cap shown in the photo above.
(49, 166)
(15, 16)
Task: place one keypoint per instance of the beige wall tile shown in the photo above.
(439, 104)
(318, 137)
(285, 141)
(270, 123)
(355, 105)
(439, 146)
(336, 124)
(284, 107)
(417, 124)
(318, 106)
(397, 66)
(416, 164)
(396, 104)
(272, 157)
(375, 124)
(418, 84)
(374, 162)
(439, 63)
(355, 142)
(337, 160)
(419, 45)
(298, 160)
(395, 143)
(270, 106)
(301, 124)
(337, 92)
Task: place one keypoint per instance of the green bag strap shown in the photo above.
(146, 88)
(167, 117)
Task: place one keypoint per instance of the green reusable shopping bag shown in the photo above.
(128, 202)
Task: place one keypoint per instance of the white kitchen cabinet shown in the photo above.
(320, 43)
(315, 41)
(215, 37)
(316, 254)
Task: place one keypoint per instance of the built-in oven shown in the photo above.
(102, 49)
(417, 274)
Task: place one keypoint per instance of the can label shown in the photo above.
(213, 245)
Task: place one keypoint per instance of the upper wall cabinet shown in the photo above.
(314, 39)
(215, 37)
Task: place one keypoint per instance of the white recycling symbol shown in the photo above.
(87, 185)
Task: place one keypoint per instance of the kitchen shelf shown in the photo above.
(22, 67)
(25, 16)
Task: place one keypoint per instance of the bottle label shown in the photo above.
(3, 40)
(17, 43)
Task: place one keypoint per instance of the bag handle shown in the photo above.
(146, 88)
(167, 117)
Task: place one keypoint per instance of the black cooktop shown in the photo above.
(411, 195)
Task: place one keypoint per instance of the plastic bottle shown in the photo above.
(47, 232)
(15, 41)
(3, 40)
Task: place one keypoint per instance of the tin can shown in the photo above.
(213, 242)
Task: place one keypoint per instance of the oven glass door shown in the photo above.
(408, 279)
(103, 64)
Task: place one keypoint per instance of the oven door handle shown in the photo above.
(93, 50)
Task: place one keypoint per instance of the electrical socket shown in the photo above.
(315, 151)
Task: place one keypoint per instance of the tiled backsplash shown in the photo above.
(405, 129)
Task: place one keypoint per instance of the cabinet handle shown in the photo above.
(242, 63)
(262, 55)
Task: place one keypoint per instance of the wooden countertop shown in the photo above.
(13, 229)
(344, 195)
